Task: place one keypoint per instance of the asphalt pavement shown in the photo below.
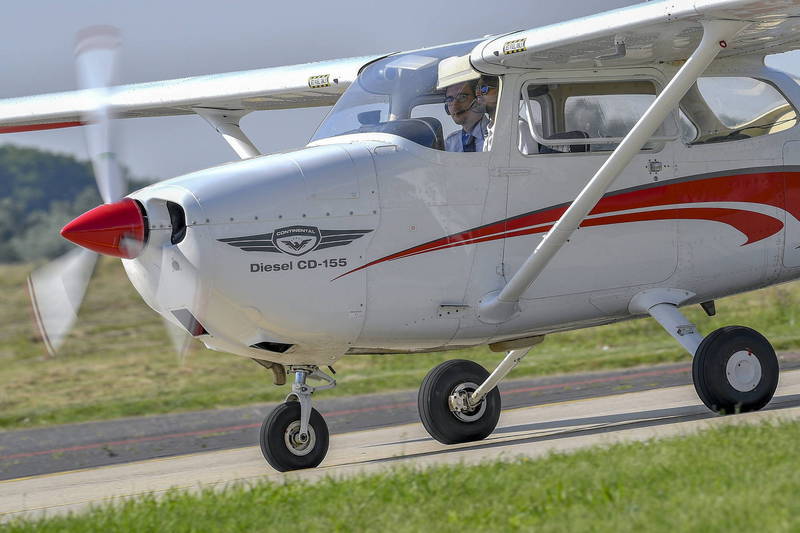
(76, 446)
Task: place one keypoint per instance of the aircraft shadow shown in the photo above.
(598, 425)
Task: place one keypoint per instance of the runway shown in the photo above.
(528, 431)
(51, 449)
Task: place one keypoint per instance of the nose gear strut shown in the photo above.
(302, 391)
(295, 435)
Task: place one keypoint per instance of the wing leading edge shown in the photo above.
(306, 85)
(641, 34)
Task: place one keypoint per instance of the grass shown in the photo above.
(734, 478)
(119, 362)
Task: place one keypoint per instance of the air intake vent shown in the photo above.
(277, 347)
(188, 321)
(177, 219)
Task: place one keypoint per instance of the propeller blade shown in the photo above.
(56, 291)
(96, 60)
(181, 340)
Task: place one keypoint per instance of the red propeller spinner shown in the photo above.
(117, 229)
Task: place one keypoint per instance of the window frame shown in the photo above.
(652, 76)
(753, 76)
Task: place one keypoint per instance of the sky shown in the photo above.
(165, 40)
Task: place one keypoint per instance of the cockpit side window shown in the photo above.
(400, 95)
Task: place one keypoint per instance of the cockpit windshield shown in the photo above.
(398, 95)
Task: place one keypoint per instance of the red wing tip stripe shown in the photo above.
(39, 127)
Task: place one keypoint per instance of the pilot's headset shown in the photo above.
(471, 86)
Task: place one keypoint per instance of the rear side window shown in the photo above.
(725, 109)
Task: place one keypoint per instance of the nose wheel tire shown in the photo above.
(445, 422)
(282, 444)
(735, 370)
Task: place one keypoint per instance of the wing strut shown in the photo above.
(499, 306)
(226, 123)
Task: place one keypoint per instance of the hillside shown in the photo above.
(40, 192)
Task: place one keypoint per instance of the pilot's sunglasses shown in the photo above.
(460, 98)
(484, 89)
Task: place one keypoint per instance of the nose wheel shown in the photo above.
(285, 447)
(294, 435)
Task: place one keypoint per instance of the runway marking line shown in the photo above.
(343, 412)
(323, 467)
(513, 391)
(248, 479)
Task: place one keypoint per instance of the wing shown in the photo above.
(640, 34)
(307, 85)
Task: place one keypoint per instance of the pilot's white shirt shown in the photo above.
(453, 141)
(526, 143)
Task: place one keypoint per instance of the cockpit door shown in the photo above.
(576, 125)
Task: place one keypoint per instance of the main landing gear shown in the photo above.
(459, 401)
(734, 369)
(294, 435)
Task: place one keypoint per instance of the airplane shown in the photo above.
(635, 162)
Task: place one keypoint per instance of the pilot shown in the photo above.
(486, 92)
(459, 103)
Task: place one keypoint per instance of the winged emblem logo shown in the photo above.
(295, 245)
(296, 240)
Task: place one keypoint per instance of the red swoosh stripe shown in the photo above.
(765, 188)
(755, 226)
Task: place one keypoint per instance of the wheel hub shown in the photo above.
(743, 371)
(298, 443)
(459, 403)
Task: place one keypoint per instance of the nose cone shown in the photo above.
(116, 229)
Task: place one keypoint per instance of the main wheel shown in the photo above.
(281, 443)
(735, 370)
(450, 426)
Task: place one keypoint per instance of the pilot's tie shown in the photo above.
(468, 141)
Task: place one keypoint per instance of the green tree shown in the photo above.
(39, 193)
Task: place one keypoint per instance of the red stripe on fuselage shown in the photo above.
(765, 188)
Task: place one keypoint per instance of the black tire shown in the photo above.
(278, 427)
(715, 365)
(443, 424)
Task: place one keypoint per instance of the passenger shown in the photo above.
(486, 93)
(459, 104)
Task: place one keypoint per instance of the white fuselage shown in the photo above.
(371, 243)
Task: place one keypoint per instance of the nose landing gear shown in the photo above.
(294, 435)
